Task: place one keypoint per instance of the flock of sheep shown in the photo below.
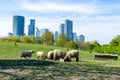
(56, 54)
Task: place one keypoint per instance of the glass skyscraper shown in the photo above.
(74, 36)
(61, 29)
(56, 36)
(18, 25)
(69, 29)
(81, 38)
(37, 32)
(31, 28)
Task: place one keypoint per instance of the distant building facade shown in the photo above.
(42, 31)
(81, 38)
(74, 36)
(31, 28)
(18, 25)
(56, 35)
(61, 29)
(69, 29)
(37, 32)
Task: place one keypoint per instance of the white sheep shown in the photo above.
(72, 54)
(58, 54)
(41, 55)
(50, 55)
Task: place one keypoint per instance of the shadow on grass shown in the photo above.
(42, 70)
(19, 63)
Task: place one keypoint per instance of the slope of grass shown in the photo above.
(13, 68)
(9, 50)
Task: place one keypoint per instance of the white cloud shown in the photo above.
(101, 28)
(40, 7)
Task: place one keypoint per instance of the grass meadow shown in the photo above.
(14, 68)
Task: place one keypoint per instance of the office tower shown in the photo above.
(69, 29)
(74, 36)
(61, 29)
(42, 31)
(81, 38)
(31, 28)
(37, 32)
(56, 36)
(18, 25)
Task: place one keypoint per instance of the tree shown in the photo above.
(72, 44)
(62, 40)
(33, 39)
(25, 39)
(48, 38)
(115, 41)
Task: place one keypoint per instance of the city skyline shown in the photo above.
(95, 19)
(64, 28)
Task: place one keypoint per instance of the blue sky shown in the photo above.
(96, 19)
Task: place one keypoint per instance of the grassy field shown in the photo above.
(13, 68)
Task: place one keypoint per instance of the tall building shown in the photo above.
(74, 36)
(81, 38)
(56, 36)
(69, 29)
(37, 32)
(18, 25)
(42, 31)
(61, 29)
(31, 28)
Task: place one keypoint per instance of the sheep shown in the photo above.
(72, 54)
(58, 54)
(27, 53)
(50, 55)
(41, 55)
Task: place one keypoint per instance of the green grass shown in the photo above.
(13, 68)
(9, 51)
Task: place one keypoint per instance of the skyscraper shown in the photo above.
(61, 29)
(69, 29)
(74, 36)
(81, 38)
(56, 36)
(31, 28)
(37, 32)
(18, 25)
(42, 31)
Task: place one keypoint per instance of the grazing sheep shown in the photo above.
(50, 55)
(27, 53)
(72, 54)
(41, 55)
(58, 54)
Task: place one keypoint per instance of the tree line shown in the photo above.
(63, 41)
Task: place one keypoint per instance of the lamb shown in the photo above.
(41, 55)
(27, 53)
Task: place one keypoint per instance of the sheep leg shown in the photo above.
(25, 57)
(77, 59)
(37, 57)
